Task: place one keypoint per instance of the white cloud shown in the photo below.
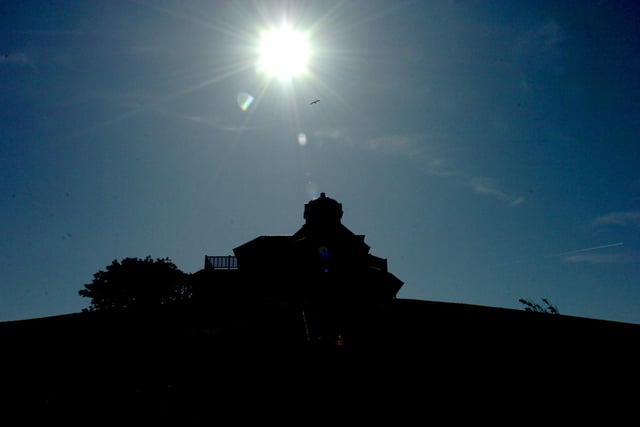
(488, 186)
(321, 137)
(212, 122)
(621, 218)
(540, 42)
(539, 49)
(617, 258)
(333, 134)
(413, 147)
(438, 167)
(394, 144)
(518, 201)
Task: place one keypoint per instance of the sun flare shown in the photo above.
(283, 53)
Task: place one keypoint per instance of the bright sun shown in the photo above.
(284, 53)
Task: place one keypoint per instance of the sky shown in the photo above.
(488, 150)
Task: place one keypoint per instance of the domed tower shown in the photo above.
(323, 212)
(330, 247)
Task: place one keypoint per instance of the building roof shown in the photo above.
(323, 253)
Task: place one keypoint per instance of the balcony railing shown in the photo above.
(228, 262)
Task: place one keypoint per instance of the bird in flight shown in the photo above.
(314, 102)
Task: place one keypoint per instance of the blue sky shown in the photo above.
(488, 150)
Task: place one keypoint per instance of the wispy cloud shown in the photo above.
(604, 224)
(518, 201)
(488, 186)
(428, 155)
(332, 134)
(212, 122)
(539, 45)
(438, 167)
(620, 218)
(547, 34)
(594, 258)
(395, 144)
(327, 136)
(589, 249)
(16, 58)
(539, 50)
(589, 255)
(414, 147)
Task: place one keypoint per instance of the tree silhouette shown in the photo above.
(531, 306)
(137, 284)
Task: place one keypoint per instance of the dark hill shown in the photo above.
(188, 365)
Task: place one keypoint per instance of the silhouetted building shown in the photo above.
(321, 262)
(291, 327)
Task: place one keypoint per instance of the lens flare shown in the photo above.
(244, 101)
(312, 189)
(323, 251)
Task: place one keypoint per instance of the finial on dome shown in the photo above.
(323, 210)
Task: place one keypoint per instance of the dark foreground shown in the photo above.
(349, 362)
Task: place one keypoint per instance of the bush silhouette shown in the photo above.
(137, 284)
(531, 306)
